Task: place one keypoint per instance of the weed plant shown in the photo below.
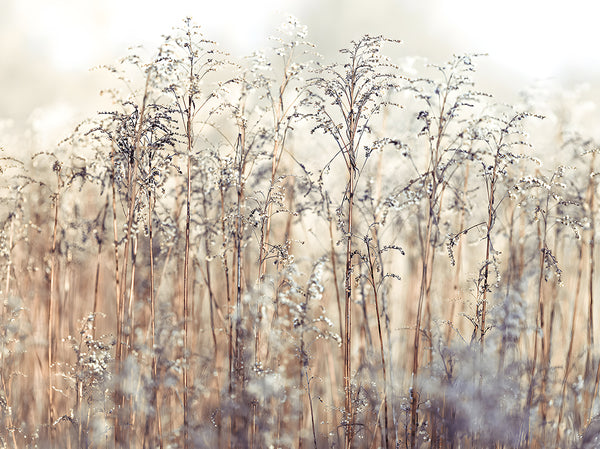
(286, 252)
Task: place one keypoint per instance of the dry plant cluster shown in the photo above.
(281, 253)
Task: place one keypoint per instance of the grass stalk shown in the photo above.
(186, 260)
(51, 305)
(121, 435)
(370, 258)
(568, 362)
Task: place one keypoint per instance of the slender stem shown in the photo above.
(186, 262)
(414, 396)
(571, 341)
(348, 314)
(333, 257)
(132, 178)
(383, 365)
(591, 194)
(99, 239)
(51, 305)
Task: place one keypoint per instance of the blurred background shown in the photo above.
(48, 48)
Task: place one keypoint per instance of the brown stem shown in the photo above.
(414, 396)
(333, 257)
(100, 239)
(571, 341)
(458, 259)
(132, 177)
(51, 305)
(348, 314)
(186, 262)
(383, 365)
(588, 401)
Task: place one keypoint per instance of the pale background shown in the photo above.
(47, 47)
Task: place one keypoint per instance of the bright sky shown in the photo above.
(47, 47)
(76, 34)
(539, 38)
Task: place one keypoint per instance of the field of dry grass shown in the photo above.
(290, 252)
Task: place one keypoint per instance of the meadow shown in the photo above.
(287, 252)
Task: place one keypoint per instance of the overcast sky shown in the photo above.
(48, 47)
